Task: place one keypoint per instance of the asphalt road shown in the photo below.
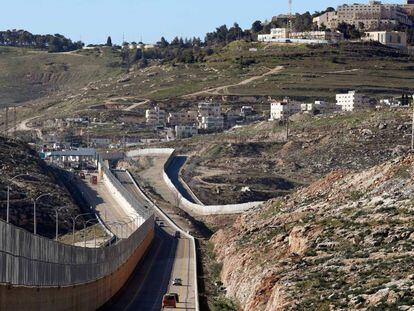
(168, 258)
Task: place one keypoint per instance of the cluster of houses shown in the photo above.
(347, 102)
(209, 117)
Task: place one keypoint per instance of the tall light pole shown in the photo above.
(412, 129)
(84, 230)
(8, 195)
(74, 223)
(34, 211)
(57, 210)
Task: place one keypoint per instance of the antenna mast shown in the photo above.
(290, 19)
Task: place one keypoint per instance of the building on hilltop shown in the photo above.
(394, 39)
(352, 101)
(155, 117)
(328, 19)
(282, 35)
(374, 15)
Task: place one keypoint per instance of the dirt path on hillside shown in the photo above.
(136, 105)
(225, 89)
(23, 127)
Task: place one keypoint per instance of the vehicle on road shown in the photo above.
(94, 180)
(177, 234)
(161, 224)
(157, 218)
(170, 300)
(177, 282)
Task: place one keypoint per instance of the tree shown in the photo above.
(257, 27)
(109, 41)
(163, 43)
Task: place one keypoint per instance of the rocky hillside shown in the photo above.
(256, 163)
(343, 243)
(15, 159)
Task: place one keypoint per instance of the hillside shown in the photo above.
(17, 158)
(343, 243)
(73, 83)
(27, 74)
(258, 156)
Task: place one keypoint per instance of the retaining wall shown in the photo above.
(197, 209)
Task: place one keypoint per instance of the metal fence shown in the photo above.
(29, 260)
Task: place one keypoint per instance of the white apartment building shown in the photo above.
(211, 123)
(352, 101)
(394, 39)
(182, 118)
(281, 110)
(373, 15)
(319, 106)
(283, 35)
(155, 116)
(185, 131)
(209, 116)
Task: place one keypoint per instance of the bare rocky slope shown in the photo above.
(256, 163)
(343, 243)
(17, 158)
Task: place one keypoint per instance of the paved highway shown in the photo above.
(108, 208)
(169, 257)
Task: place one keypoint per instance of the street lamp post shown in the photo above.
(34, 211)
(74, 223)
(84, 229)
(412, 129)
(57, 210)
(8, 196)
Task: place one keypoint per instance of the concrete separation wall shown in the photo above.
(40, 274)
(177, 228)
(82, 297)
(196, 209)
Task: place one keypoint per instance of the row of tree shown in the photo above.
(52, 43)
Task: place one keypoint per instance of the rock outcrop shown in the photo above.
(343, 243)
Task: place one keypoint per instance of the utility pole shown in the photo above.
(6, 123)
(412, 128)
(287, 129)
(290, 19)
(14, 121)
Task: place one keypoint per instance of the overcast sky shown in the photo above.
(93, 20)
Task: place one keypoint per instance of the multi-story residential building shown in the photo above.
(209, 116)
(182, 118)
(185, 131)
(328, 19)
(352, 101)
(374, 15)
(281, 110)
(319, 107)
(395, 39)
(155, 117)
(211, 123)
(283, 35)
(209, 109)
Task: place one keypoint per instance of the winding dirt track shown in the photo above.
(224, 90)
